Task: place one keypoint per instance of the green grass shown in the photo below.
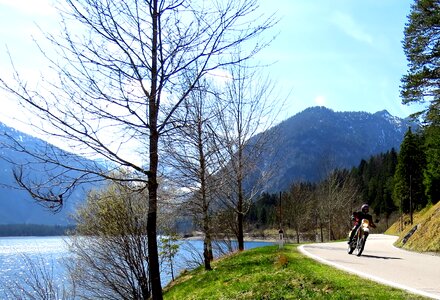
(270, 273)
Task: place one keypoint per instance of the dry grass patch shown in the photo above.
(426, 238)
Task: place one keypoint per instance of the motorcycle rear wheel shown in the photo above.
(351, 247)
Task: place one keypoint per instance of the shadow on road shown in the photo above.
(380, 257)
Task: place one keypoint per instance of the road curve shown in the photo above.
(384, 263)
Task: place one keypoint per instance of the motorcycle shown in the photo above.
(357, 244)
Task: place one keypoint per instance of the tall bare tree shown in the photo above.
(247, 110)
(117, 85)
(298, 206)
(337, 195)
(193, 156)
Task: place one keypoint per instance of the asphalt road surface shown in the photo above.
(384, 263)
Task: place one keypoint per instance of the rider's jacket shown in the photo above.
(359, 215)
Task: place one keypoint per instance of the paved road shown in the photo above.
(382, 262)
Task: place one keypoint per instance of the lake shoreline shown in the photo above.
(197, 236)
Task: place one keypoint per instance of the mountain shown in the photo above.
(304, 147)
(308, 145)
(16, 205)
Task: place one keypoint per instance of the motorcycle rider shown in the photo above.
(357, 218)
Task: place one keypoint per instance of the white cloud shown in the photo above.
(349, 26)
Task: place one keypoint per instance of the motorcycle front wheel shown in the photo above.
(361, 244)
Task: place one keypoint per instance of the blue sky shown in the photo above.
(343, 54)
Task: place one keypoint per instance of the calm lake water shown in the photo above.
(16, 252)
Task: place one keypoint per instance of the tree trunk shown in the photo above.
(240, 235)
(240, 219)
(207, 242)
(297, 235)
(329, 228)
(322, 232)
(207, 253)
(240, 213)
(153, 255)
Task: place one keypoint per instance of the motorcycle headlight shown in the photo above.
(365, 223)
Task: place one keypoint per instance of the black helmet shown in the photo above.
(365, 208)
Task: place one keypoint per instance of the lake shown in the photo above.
(18, 253)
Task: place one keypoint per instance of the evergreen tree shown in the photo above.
(375, 180)
(388, 205)
(262, 212)
(422, 48)
(431, 174)
(408, 179)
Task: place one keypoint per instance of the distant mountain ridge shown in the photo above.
(318, 139)
(16, 205)
(306, 146)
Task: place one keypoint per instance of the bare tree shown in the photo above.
(297, 207)
(117, 85)
(225, 231)
(246, 111)
(193, 157)
(336, 196)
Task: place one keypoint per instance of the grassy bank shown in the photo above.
(426, 238)
(270, 273)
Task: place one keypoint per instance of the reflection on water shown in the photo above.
(16, 253)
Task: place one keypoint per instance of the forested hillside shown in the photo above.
(307, 146)
(323, 208)
(392, 183)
